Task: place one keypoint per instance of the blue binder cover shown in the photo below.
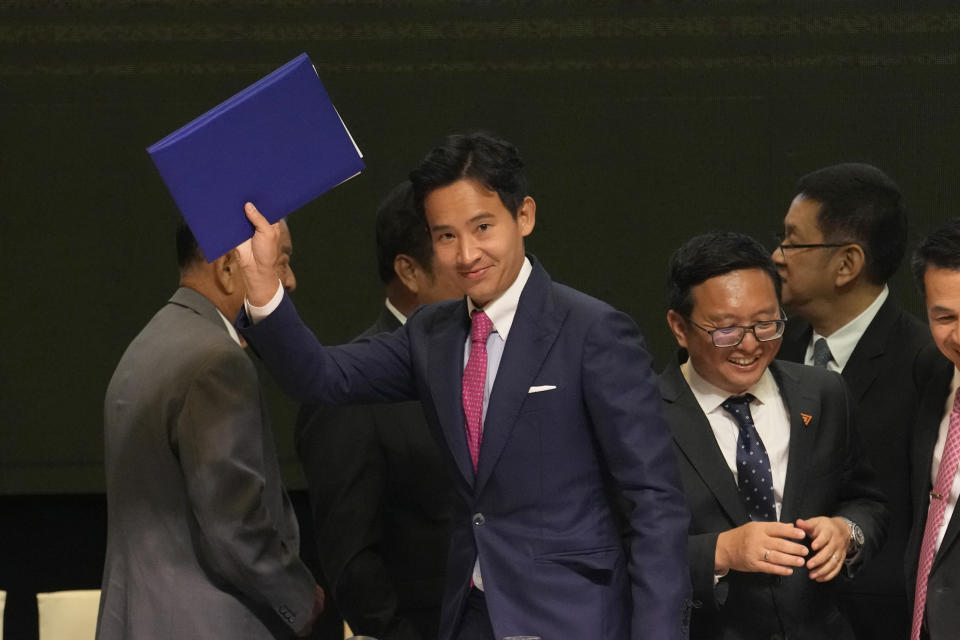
(279, 143)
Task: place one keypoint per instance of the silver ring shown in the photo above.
(766, 554)
(833, 557)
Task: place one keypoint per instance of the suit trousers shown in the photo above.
(475, 624)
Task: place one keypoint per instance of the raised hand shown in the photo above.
(258, 258)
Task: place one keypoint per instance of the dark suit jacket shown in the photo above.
(202, 540)
(381, 496)
(943, 590)
(539, 510)
(827, 475)
(885, 382)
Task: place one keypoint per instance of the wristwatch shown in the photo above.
(856, 537)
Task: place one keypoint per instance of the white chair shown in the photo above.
(3, 603)
(68, 615)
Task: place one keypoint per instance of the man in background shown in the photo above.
(844, 238)
(933, 552)
(781, 497)
(379, 487)
(202, 540)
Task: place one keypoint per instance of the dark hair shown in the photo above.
(709, 255)
(940, 249)
(188, 251)
(480, 156)
(400, 229)
(860, 203)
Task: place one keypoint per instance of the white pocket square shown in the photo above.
(546, 387)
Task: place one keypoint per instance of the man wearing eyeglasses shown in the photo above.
(844, 238)
(782, 500)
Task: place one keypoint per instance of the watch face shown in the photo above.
(857, 534)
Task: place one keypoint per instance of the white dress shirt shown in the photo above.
(938, 456)
(843, 341)
(770, 417)
(230, 329)
(501, 313)
(402, 319)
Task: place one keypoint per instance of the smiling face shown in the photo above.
(477, 243)
(942, 292)
(741, 297)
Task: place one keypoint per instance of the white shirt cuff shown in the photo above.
(256, 314)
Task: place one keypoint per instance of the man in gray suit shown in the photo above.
(202, 540)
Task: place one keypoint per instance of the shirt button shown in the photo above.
(478, 519)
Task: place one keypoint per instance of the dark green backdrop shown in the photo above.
(642, 123)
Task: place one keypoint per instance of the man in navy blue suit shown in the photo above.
(570, 521)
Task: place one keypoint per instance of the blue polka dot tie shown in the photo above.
(753, 464)
(474, 377)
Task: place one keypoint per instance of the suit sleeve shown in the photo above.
(369, 370)
(623, 400)
(706, 589)
(860, 499)
(346, 473)
(221, 439)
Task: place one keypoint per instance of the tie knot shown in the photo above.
(480, 327)
(737, 403)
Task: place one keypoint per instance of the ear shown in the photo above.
(851, 262)
(678, 327)
(527, 216)
(227, 272)
(406, 269)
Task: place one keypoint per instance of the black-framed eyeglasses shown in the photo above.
(764, 331)
(816, 245)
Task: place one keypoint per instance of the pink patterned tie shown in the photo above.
(474, 377)
(938, 504)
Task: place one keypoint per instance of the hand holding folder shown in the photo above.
(258, 258)
(280, 143)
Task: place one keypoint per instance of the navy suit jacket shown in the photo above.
(827, 475)
(540, 510)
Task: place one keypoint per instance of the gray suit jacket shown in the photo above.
(202, 540)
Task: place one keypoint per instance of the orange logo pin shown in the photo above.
(806, 417)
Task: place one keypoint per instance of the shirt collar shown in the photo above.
(502, 310)
(230, 329)
(710, 397)
(396, 312)
(843, 341)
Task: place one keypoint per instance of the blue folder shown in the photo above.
(279, 143)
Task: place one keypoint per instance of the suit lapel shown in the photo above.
(445, 361)
(535, 327)
(860, 370)
(694, 437)
(803, 407)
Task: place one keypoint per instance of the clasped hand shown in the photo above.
(774, 547)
